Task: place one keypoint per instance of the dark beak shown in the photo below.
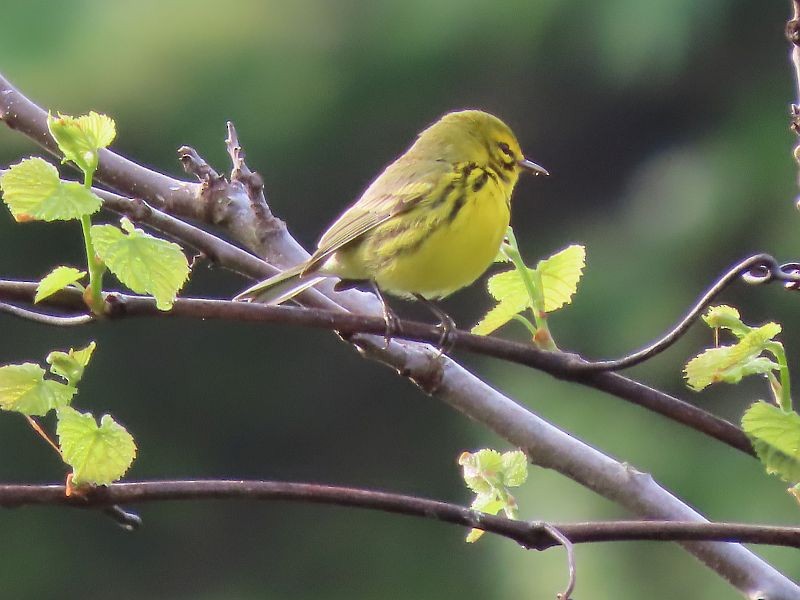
(532, 167)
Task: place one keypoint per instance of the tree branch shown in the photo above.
(568, 367)
(532, 535)
(446, 380)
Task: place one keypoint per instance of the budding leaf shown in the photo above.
(730, 363)
(726, 317)
(560, 275)
(57, 280)
(70, 365)
(146, 264)
(24, 389)
(98, 455)
(33, 192)
(489, 474)
(80, 138)
(775, 435)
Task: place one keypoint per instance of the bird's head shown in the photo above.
(476, 136)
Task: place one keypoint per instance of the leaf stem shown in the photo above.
(542, 338)
(94, 297)
(785, 396)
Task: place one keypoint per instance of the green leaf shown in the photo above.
(775, 435)
(730, 363)
(97, 455)
(489, 474)
(24, 389)
(70, 365)
(480, 470)
(515, 468)
(560, 275)
(33, 192)
(80, 138)
(144, 263)
(474, 535)
(57, 280)
(726, 317)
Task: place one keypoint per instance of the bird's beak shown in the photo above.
(531, 166)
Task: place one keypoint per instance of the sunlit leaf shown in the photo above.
(515, 468)
(70, 365)
(98, 455)
(726, 317)
(80, 138)
(24, 389)
(730, 363)
(775, 435)
(489, 474)
(33, 192)
(146, 264)
(560, 275)
(57, 280)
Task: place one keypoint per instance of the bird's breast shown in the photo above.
(442, 248)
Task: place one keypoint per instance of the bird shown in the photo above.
(430, 224)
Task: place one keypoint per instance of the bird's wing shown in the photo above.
(400, 187)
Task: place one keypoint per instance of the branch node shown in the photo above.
(195, 165)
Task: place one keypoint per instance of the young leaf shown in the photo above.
(481, 470)
(97, 455)
(730, 363)
(57, 280)
(24, 389)
(80, 138)
(70, 365)
(33, 192)
(489, 474)
(726, 317)
(144, 263)
(775, 435)
(559, 274)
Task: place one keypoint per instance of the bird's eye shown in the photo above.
(505, 149)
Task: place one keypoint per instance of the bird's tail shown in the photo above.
(281, 287)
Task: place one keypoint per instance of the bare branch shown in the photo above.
(533, 535)
(45, 318)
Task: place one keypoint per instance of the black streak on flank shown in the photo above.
(457, 206)
(444, 195)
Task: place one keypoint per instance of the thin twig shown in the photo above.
(760, 268)
(556, 534)
(532, 535)
(45, 318)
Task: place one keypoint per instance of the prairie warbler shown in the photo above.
(431, 223)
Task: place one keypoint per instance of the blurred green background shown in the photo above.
(664, 124)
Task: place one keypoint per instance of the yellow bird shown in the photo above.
(430, 224)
